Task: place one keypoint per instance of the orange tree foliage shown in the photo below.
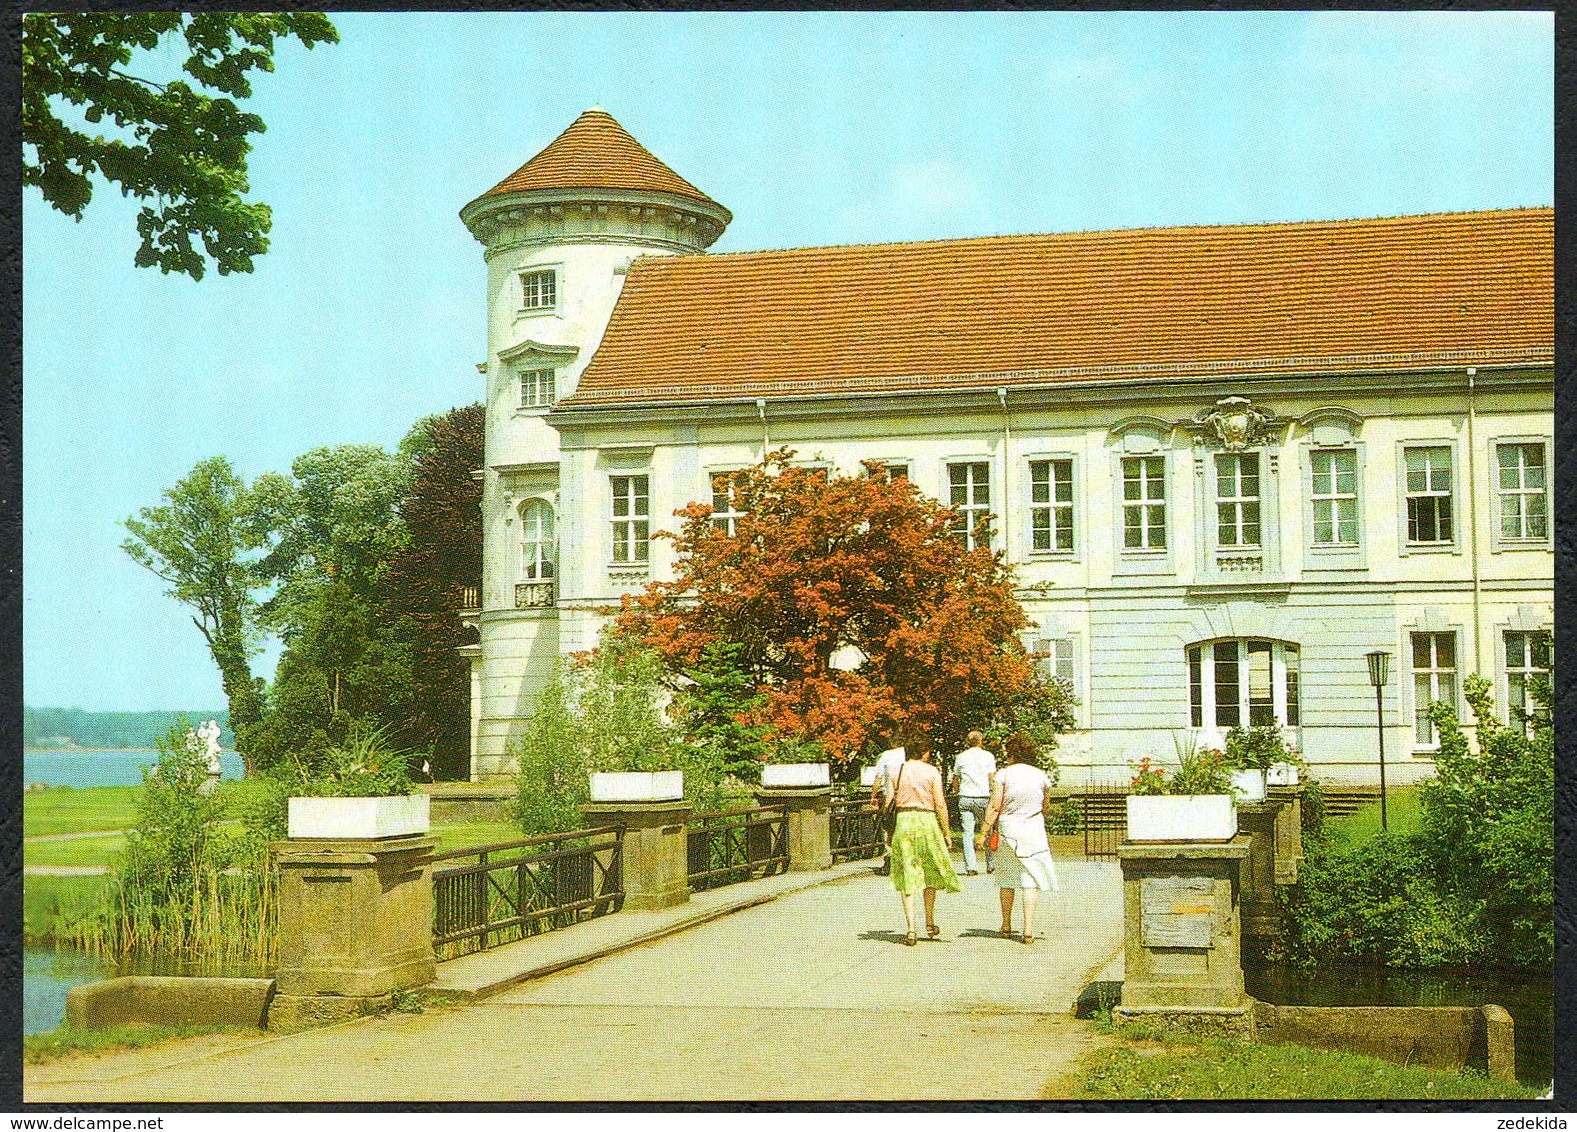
(817, 563)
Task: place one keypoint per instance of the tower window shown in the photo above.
(536, 388)
(539, 290)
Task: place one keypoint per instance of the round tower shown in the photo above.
(558, 234)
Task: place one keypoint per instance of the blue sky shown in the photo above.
(813, 128)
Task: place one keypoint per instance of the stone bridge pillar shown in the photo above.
(656, 849)
(809, 823)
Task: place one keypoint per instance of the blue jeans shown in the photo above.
(970, 810)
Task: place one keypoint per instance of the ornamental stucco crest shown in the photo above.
(1234, 423)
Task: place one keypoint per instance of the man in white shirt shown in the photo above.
(888, 764)
(973, 772)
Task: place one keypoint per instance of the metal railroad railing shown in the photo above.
(854, 834)
(730, 846)
(513, 889)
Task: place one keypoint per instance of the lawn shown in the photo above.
(463, 834)
(61, 809)
(68, 1040)
(77, 851)
(1192, 1069)
(1402, 813)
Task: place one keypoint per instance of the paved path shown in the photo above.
(806, 997)
(79, 836)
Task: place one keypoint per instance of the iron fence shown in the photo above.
(1105, 809)
(513, 889)
(855, 836)
(729, 846)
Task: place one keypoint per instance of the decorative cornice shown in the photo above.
(611, 215)
(548, 350)
(1331, 413)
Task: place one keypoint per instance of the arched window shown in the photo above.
(537, 548)
(1242, 682)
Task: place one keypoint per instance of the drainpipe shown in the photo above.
(1472, 511)
(1007, 466)
(761, 410)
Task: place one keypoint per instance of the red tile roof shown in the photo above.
(595, 152)
(1325, 296)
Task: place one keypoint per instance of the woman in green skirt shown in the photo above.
(922, 840)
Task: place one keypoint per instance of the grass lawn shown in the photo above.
(1402, 813)
(68, 1040)
(77, 851)
(1193, 1069)
(462, 834)
(61, 809)
(42, 896)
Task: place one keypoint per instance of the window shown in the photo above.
(1243, 683)
(893, 472)
(631, 522)
(1523, 506)
(969, 494)
(536, 541)
(536, 388)
(1144, 502)
(1237, 499)
(1527, 657)
(1428, 496)
(1434, 678)
(1054, 657)
(1335, 496)
(726, 511)
(1051, 505)
(538, 290)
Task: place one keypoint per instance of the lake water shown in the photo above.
(48, 973)
(1530, 1000)
(80, 769)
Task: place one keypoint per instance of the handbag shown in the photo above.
(995, 840)
(887, 820)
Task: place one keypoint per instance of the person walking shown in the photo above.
(921, 851)
(888, 764)
(973, 772)
(1020, 801)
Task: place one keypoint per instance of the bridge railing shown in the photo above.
(854, 835)
(730, 846)
(506, 891)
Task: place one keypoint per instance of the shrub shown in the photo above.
(551, 780)
(1066, 819)
(1256, 748)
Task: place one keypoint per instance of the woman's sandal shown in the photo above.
(910, 940)
(1029, 939)
(1006, 931)
(932, 931)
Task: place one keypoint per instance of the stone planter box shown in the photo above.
(637, 786)
(796, 774)
(1281, 774)
(1182, 817)
(867, 776)
(379, 817)
(1249, 785)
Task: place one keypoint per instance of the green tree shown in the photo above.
(205, 540)
(441, 556)
(180, 149)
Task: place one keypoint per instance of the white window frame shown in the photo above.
(1246, 511)
(1330, 494)
(631, 529)
(971, 511)
(1061, 513)
(538, 549)
(725, 519)
(530, 280)
(1433, 673)
(897, 469)
(537, 387)
(1498, 495)
(1144, 504)
(1405, 545)
(1286, 683)
(1521, 672)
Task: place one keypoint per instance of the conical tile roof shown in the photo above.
(598, 153)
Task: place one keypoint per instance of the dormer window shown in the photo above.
(539, 290)
(536, 388)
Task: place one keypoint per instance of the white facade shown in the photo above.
(1200, 561)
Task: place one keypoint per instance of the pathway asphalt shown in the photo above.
(812, 996)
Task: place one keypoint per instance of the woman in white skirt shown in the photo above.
(1020, 801)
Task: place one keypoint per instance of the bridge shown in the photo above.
(795, 986)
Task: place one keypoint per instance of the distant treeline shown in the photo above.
(64, 728)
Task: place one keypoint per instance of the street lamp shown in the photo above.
(1379, 668)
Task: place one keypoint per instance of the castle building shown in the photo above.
(1226, 461)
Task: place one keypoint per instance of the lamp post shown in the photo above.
(1379, 667)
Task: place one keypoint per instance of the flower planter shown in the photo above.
(867, 776)
(383, 816)
(796, 774)
(637, 786)
(1249, 785)
(1182, 817)
(1282, 774)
